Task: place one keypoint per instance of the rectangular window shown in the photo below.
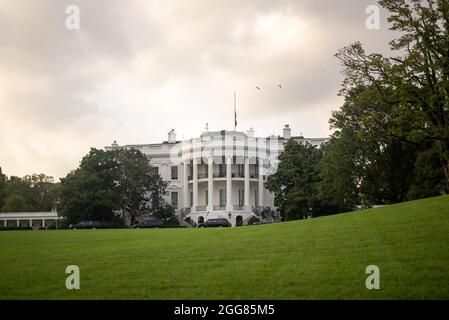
(155, 170)
(174, 172)
(222, 170)
(174, 200)
(241, 170)
(222, 197)
(191, 198)
(207, 197)
(241, 197)
(256, 197)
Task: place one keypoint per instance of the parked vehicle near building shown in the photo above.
(148, 223)
(214, 223)
(87, 224)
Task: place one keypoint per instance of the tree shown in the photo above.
(141, 188)
(38, 191)
(15, 203)
(340, 175)
(362, 164)
(166, 214)
(414, 85)
(2, 191)
(111, 185)
(428, 174)
(43, 193)
(90, 192)
(294, 184)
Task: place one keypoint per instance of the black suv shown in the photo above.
(87, 224)
(211, 223)
(149, 223)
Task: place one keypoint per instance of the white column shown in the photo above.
(43, 223)
(31, 223)
(18, 223)
(210, 184)
(185, 190)
(5, 222)
(195, 184)
(247, 194)
(229, 184)
(261, 191)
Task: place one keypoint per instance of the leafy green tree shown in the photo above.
(166, 214)
(340, 173)
(90, 191)
(141, 188)
(43, 192)
(428, 174)
(39, 191)
(294, 184)
(2, 191)
(15, 203)
(362, 164)
(109, 185)
(413, 86)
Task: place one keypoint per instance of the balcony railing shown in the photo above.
(219, 174)
(201, 208)
(223, 175)
(219, 208)
(238, 208)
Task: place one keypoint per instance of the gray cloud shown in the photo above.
(139, 68)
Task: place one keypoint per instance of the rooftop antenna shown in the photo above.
(207, 127)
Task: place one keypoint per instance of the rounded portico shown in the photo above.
(224, 174)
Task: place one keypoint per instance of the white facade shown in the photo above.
(219, 174)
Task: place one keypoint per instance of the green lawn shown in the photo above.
(322, 258)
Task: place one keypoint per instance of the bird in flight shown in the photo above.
(257, 88)
(280, 86)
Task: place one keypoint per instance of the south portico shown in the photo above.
(223, 188)
(223, 175)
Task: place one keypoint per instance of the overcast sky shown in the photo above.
(137, 68)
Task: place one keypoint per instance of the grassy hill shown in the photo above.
(311, 259)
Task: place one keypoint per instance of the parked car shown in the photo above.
(149, 223)
(211, 223)
(87, 224)
(269, 221)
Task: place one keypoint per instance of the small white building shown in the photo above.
(220, 173)
(29, 219)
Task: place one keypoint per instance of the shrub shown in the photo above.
(13, 228)
(171, 222)
(253, 220)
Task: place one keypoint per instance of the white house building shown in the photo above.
(219, 173)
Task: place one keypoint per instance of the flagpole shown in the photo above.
(235, 110)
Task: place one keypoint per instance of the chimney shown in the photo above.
(172, 136)
(287, 132)
(250, 132)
